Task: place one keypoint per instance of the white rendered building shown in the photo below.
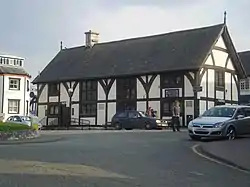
(14, 87)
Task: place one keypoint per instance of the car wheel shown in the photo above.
(195, 138)
(147, 126)
(118, 126)
(231, 133)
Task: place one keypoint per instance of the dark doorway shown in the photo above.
(64, 117)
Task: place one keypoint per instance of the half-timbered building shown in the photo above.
(245, 83)
(199, 67)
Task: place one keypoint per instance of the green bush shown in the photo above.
(7, 127)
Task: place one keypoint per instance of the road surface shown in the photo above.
(114, 159)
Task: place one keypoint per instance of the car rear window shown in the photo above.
(121, 115)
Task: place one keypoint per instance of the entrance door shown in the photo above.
(64, 116)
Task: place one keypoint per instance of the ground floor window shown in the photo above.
(126, 105)
(13, 106)
(53, 109)
(88, 109)
(167, 105)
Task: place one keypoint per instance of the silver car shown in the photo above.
(224, 121)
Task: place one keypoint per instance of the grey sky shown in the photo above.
(33, 29)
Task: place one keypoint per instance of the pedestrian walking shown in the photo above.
(176, 116)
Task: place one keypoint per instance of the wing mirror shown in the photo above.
(240, 116)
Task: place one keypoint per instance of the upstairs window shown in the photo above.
(220, 79)
(14, 84)
(89, 98)
(171, 81)
(126, 89)
(53, 89)
(244, 84)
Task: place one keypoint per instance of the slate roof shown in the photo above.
(181, 50)
(5, 69)
(245, 59)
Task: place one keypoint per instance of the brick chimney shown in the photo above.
(91, 38)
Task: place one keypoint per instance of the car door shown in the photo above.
(134, 119)
(240, 123)
(246, 127)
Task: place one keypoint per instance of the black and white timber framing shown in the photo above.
(153, 78)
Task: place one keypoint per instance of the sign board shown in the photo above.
(171, 93)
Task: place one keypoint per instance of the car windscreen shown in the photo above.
(25, 118)
(142, 114)
(220, 112)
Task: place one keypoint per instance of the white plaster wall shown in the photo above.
(209, 60)
(101, 93)
(211, 85)
(75, 96)
(53, 98)
(203, 85)
(76, 111)
(154, 91)
(220, 43)
(210, 104)
(203, 106)
(141, 93)
(15, 94)
(234, 91)
(41, 111)
(219, 95)
(188, 88)
(228, 86)
(91, 119)
(101, 111)
(220, 58)
(44, 95)
(112, 92)
(141, 106)
(156, 105)
(64, 97)
(230, 65)
(111, 110)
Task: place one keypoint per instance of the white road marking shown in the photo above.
(194, 148)
(196, 173)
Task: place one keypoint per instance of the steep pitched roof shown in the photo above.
(4, 69)
(245, 59)
(181, 50)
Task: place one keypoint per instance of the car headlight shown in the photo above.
(158, 121)
(190, 124)
(218, 125)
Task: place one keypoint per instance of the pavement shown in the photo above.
(234, 153)
(114, 159)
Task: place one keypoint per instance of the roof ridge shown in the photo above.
(150, 36)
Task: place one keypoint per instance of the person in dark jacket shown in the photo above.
(176, 116)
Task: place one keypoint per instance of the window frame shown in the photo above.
(89, 98)
(18, 106)
(53, 89)
(18, 85)
(219, 79)
(54, 107)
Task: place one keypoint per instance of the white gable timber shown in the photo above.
(230, 65)
(220, 58)
(220, 43)
(209, 61)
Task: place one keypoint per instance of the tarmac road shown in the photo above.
(113, 159)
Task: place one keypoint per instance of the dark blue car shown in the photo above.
(134, 120)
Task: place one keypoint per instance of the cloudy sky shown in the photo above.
(33, 29)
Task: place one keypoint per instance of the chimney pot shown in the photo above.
(91, 38)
